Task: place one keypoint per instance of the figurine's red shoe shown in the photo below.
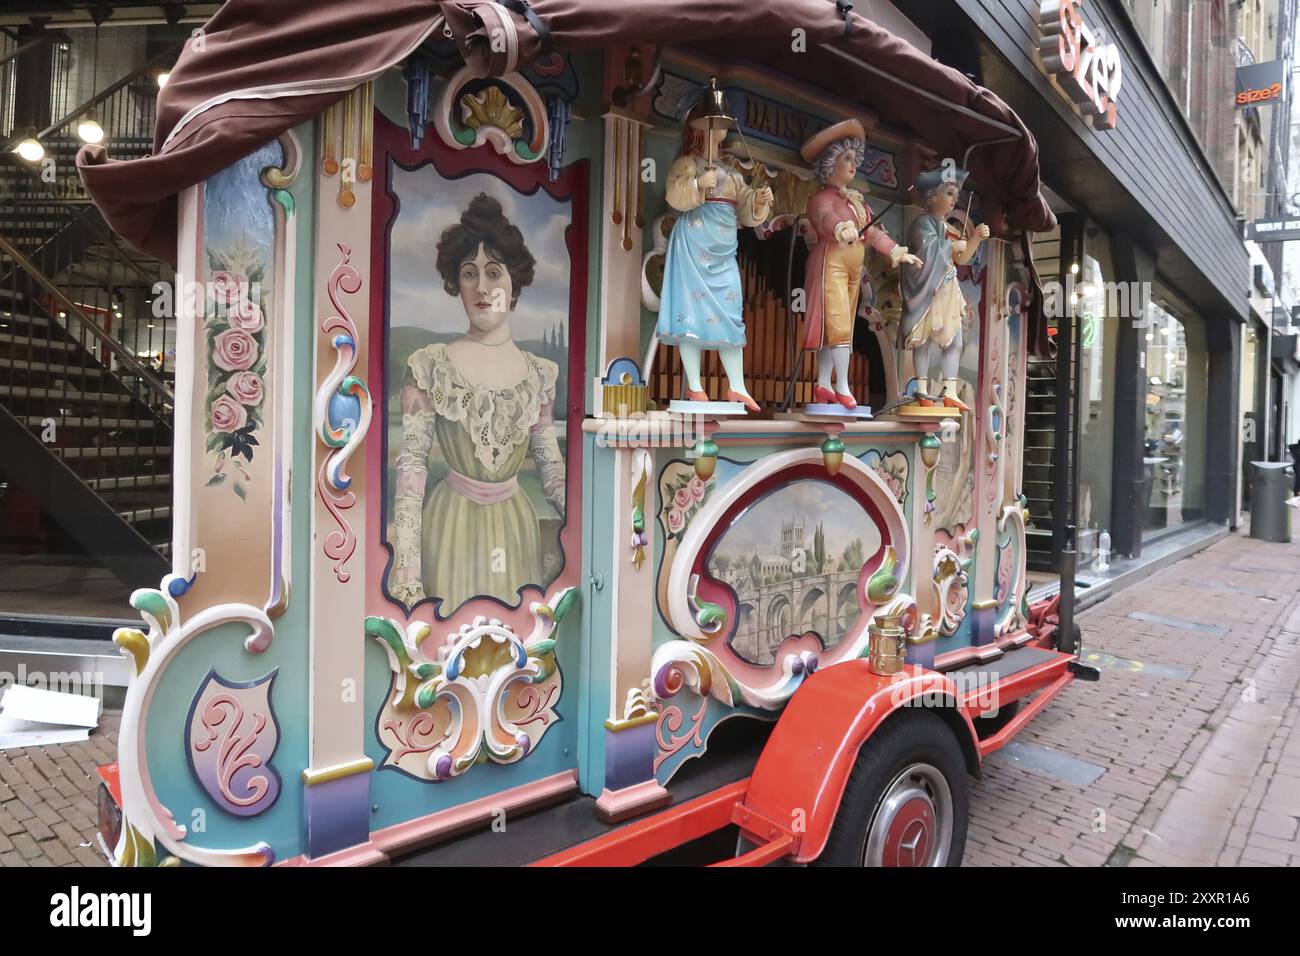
(695, 396)
(747, 401)
(952, 401)
(823, 396)
(925, 401)
(848, 401)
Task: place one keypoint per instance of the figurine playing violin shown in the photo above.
(840, 221)
(933, 304)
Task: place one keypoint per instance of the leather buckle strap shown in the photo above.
(522, 8)
(845, 8)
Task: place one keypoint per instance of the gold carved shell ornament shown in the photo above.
(491, 108)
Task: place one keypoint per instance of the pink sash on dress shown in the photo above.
(482, 492)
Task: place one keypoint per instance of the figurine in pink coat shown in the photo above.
(839, 218)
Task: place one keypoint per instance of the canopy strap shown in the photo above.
(845, 9)
(522, 8)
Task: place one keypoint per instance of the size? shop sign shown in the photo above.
(1077, 55)
(1260, 83)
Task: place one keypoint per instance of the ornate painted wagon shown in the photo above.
(455, 578)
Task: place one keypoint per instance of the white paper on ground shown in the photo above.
(27, 733)
(50, 707)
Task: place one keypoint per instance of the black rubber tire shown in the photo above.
(906, 738)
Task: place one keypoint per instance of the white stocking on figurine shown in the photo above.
(922, 357)
(841, 356)
(691, 368)
(824, 366)
(733, 364)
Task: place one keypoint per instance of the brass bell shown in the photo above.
(712, 108)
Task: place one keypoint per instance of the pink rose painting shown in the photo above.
(245, 316)
(246, 388)
(228, 415)
(234, 350)
(236, 327)
(676, 520)
(227, 288)
(683, 494)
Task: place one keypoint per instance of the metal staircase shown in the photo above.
(1039, 471)
(86, 373)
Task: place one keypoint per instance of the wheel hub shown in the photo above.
(910, 836)
(912, 824)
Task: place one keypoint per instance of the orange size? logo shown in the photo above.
(1247, 97)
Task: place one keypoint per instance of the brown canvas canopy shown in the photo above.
(260, 68)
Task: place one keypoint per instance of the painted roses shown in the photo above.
(234, 350)
(228, 415)
(683, 493)
(246, 388)
(237, 361)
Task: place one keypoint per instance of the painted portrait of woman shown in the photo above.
(478, 473)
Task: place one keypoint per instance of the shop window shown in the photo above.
(1098, 333)
(1177, 372)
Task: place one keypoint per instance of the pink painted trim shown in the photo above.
(620, 804)
(364, 854)
(447, 823)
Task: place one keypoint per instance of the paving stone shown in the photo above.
(1188, 760)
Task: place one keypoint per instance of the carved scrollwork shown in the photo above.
(471, 698)
(146, 821)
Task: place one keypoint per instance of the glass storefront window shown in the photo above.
(1097, 339)
(1177, 372)
(1252, 418)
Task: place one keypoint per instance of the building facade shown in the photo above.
(1147, 366)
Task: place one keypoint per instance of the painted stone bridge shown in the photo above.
(769, 612)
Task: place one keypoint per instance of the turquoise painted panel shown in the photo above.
(222, 648)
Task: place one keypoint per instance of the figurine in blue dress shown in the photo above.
(702, 293)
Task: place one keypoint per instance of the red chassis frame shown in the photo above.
(805, 765)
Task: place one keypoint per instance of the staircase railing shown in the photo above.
(115, 115)
(86, 367)
(69, 312)
(82, 388)
(126, 111)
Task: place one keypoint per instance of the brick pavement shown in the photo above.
(1198, 771)
(1202, 771)
(47, 800)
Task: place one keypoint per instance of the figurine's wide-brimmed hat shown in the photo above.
(932, 178)
(845, 129)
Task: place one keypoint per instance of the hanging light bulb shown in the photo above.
(89, 129)
(30, 149)
(163, 77)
